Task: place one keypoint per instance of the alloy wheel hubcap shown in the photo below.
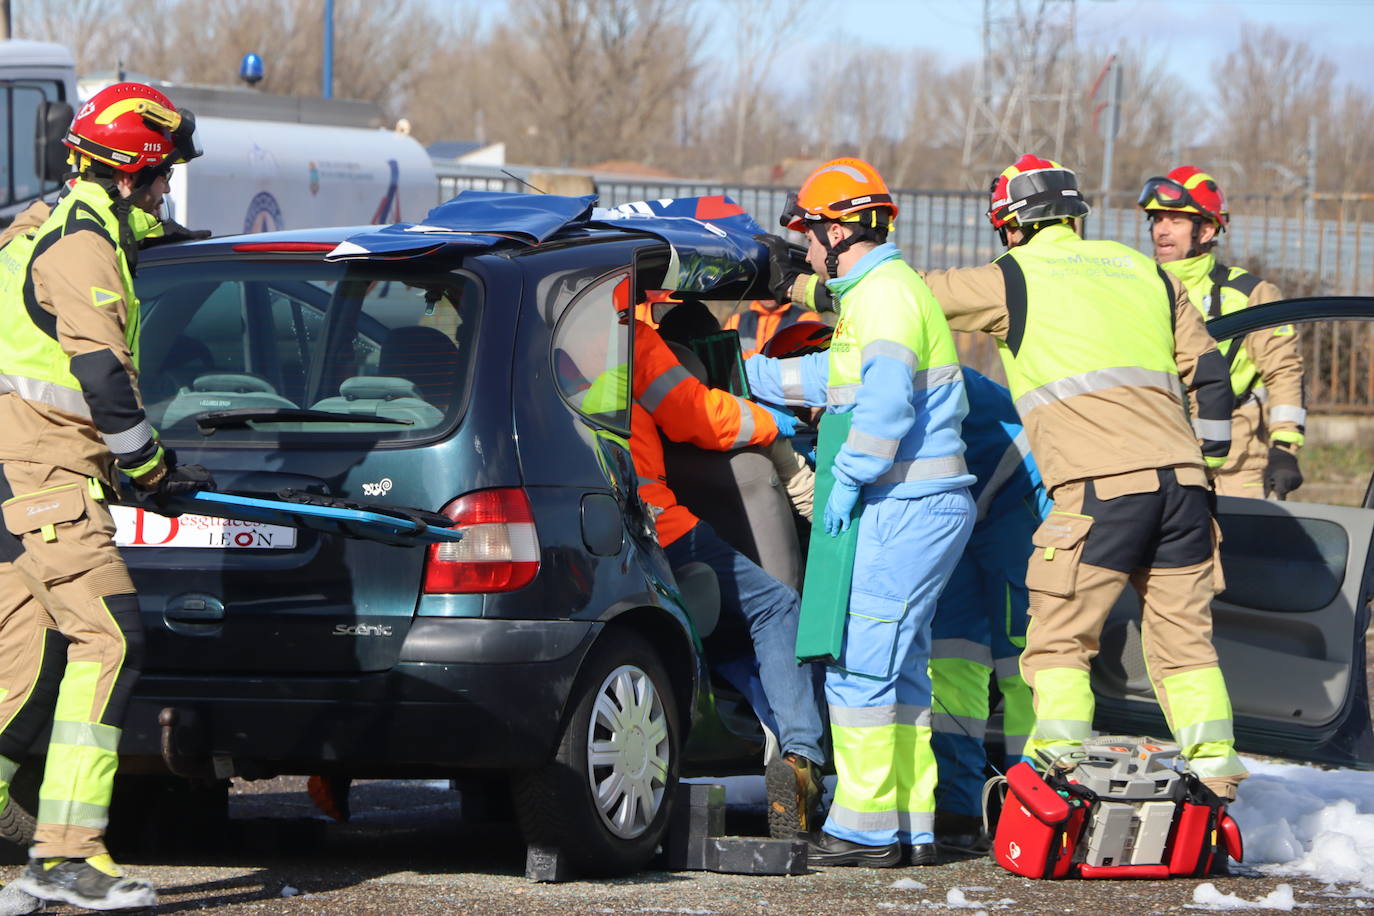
(628, 752)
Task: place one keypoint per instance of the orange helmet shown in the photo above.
(843, 190)
(1187, 189)
(799, 339)
(1034, 190)
(130, 127)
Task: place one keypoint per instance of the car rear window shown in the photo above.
(238, 345)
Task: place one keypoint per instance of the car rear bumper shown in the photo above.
(469, 693)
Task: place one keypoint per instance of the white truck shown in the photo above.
(271, 162)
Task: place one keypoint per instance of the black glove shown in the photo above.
(782, 273)
(1281, 474)
(179, 480)
(172, 231)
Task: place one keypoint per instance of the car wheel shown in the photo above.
(603, 801)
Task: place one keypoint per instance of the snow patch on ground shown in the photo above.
(1208, 897)
(955, 899)
(1300, 820)
(907, 884)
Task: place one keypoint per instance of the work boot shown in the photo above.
(14, 902)
(794, 794)
(920, 854)
(961, 833)
(96, 883)
(825, 849)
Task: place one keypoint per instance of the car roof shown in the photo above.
(712, 239)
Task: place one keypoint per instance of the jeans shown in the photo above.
(770, 609)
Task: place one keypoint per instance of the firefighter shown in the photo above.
(670, 401)
(763, 318)
(70, 628)
(1187, 213)
(980, 621)
(892, 374)
(1099, 344)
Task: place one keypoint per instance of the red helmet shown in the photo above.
(1187, 189)
(799, 339)
(843, 190)
(1035, 190)
(130, 126)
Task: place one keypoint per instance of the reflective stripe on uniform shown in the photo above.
(866, 821)
(50, 393)
(869, 444)
(1215, 430)
(890, 349)
(86, 734)
(1287, 413)
(129, 441)
(922, 469)
(934, 378)
(658, 389)
(790, 377)
(1096, 380)
(1012, 460)
(1261, 394)
(879, 716)
(949, 724)
(73, 813)
(746, 423)
(1007, 667)
(839, 395)
(965, 649)
(1200, 713)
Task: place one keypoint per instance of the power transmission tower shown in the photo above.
(1024, 95)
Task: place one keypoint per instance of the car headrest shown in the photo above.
(690, 361)
(378, 388)
(424, 355)
(235, 382)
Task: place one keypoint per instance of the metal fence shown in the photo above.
(1277, 237)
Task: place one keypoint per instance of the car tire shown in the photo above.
(17, 821)
(622, 737)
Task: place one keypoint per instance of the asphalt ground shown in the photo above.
(408, 851)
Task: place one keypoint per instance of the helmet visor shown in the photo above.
(1168, 194)
(793, 216)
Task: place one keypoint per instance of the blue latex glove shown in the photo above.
(809, 456)
(840, 507)
(786, 421)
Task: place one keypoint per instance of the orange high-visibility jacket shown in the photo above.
(761, 321)
(669, 399)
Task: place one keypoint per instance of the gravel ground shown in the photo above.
(406, 852)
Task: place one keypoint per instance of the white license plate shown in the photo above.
(135, 527)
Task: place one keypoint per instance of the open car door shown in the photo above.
(1290, 626)
(1289, 629)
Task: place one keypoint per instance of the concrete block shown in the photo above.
(546, 863)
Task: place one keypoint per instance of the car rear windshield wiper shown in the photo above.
(224, 419)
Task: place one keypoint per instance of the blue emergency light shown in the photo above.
(250, 69)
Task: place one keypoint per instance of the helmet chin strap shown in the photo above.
(1195, 239)
(833, 252)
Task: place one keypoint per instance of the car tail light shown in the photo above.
(499, 551)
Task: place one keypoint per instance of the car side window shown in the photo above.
(591, 354)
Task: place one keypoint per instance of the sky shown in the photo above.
(1187, 34)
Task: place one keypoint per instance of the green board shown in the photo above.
(829, 560)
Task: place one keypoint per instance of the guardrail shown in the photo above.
(1273, 235)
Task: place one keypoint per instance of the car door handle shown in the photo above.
(195, 609)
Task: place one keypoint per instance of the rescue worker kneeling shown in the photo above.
(668, 398)
(71, 638)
